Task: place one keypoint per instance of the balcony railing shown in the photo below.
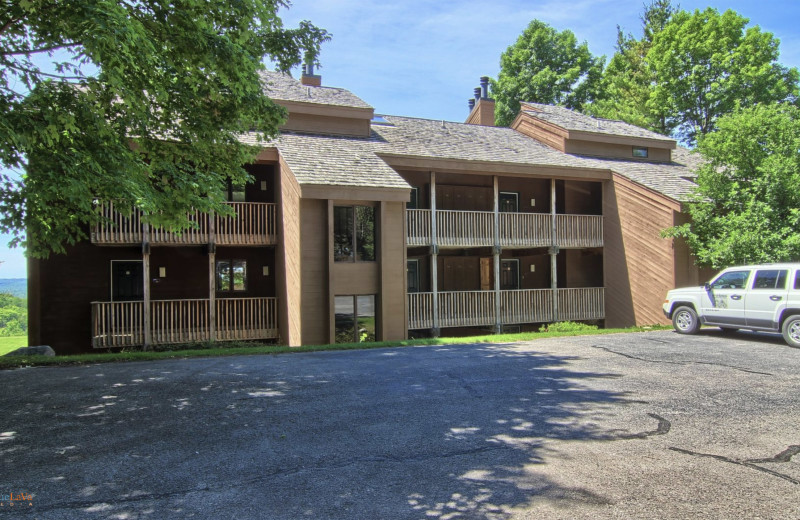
(121, 324)
(255, 223)
(476, 229)
(477, 308)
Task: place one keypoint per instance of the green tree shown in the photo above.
(628, 81)
(13, 315)
(137, 101)
(706, 62)
(747, 204)
(545, 66)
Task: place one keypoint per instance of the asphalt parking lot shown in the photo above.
(650, 425)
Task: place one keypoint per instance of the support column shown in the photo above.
(148, 333)
(212, 278)
(498, 325)
(553, 249)
(434, 260)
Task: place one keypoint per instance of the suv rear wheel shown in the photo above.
(685, 321)
(791, 330)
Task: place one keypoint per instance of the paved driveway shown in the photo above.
(650, 425)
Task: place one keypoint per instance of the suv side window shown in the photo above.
(731, 280)
(797, 280)
(770, 279)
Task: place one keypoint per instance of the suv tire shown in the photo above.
(791, 330)
(685, 321)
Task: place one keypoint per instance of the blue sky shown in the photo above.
(423, 58)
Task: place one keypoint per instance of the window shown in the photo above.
(509, 202)
(640, 151)
(731, 280)
(353, 234)
(770, 279)
(355, 318)
(412, 275)
(797, 280)
(414, 202)
(231, 275)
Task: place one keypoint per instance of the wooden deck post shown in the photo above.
(554, 250)
(434, 260)
(498, 325)
(148, 333)
(212, 278)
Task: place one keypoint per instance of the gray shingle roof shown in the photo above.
(670, 179)
(448, 140)
(283, 87)
(354, 161)
(571, 120)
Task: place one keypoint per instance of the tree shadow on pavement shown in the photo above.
(425, 432)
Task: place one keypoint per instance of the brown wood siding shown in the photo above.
(67, 286)
(618, 151)
(582, 198)
(288, 259)
(34, 302)
(687, 274)
(482, 114)
(253, 191)
(314, 272)
(543, 133)
(537, 190)
(638, 263)
(327, 125)
(392, 307)
(584, 268)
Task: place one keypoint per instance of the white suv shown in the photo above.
(755, 297)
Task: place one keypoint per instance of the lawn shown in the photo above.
(238, 348)
(10, 343)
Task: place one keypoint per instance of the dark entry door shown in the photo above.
(126, 281)
(509, 275)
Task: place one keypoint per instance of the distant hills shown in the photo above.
(16, 286)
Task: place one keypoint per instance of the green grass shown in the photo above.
(238, 349)
(7, 344)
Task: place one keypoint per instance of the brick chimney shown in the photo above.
(309, 78)
(482, 107)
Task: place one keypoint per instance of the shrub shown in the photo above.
(567, 326)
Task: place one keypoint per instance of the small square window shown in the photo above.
(231, 275)
(640, 151)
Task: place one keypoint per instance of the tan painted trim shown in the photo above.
(408, 162)
(319, 109)
(659, 197)
(354, 193)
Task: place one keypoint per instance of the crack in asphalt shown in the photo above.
(784, 456)
(664, 426)
(681, 363)
(80, 504)
(750, 463)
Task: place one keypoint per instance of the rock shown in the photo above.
(39, 350)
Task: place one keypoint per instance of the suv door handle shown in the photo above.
(776, 298)
(736, 296)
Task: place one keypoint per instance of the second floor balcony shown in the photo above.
(477, 229)
(254, 224)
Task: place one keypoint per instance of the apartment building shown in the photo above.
(359, 227)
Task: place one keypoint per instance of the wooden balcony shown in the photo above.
(477, 308)
(254, 224)
(121, 324)
(476, 229)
